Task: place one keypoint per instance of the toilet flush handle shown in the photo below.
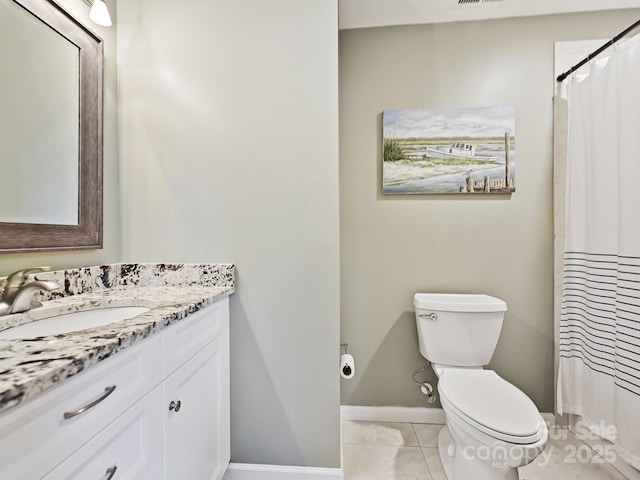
(430, 316)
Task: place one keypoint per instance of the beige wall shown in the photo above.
(394, 246)
(229, 151)
(112, 229)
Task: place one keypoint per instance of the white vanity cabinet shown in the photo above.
(36, 436)
(130, 433)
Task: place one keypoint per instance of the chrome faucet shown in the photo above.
(17, 295)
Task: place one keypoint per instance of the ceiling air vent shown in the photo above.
(479, 2)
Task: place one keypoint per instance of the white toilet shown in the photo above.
(492, 427)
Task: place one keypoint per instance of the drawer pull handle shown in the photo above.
(175, 405)
(111, 471)
(107, 391)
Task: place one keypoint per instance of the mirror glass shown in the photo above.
(51, 107)
(39, 106)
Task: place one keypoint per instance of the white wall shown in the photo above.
(229, 152)
(111, 251)
(394, 246)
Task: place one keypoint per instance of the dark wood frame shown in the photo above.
(27, 237)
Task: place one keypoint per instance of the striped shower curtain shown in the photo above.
(599, 339)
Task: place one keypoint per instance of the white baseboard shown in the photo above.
(250, 471)
(393, 414)
(549, 418)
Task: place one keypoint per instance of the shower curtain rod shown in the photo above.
(592, 55)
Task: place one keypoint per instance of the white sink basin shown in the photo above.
(71, 322)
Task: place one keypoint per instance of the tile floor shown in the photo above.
(408, 451)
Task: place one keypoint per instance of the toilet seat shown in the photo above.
(490, 404)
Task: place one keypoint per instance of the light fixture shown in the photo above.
(99, 13)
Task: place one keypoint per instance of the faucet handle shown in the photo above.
(19, 278)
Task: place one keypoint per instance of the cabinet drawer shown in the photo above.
(35, 437)
(132, 446)
(187, 337)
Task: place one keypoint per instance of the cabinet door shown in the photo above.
(196, 403)
(128, 449)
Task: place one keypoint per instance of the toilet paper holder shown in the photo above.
(347, 363)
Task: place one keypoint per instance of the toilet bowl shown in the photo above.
(492, 427)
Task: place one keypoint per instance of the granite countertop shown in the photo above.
(30, 366)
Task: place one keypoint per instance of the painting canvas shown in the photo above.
(449, 150)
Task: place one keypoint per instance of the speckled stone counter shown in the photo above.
(30, 366)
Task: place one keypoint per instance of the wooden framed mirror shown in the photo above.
(50, 145)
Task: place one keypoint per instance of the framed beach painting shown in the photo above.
(449, 150)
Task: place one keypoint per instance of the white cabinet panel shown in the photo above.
(197, 422)
(184, 339)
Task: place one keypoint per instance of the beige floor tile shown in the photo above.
(562, 441)
(607, 450)
(568, 467)
(378, 433)
(427, 434)
(432, 457)
(390, 451)
(383, 462)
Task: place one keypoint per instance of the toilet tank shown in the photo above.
(458, 329)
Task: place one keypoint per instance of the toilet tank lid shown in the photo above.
(455, 302)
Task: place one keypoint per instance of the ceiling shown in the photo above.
(378, 13)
